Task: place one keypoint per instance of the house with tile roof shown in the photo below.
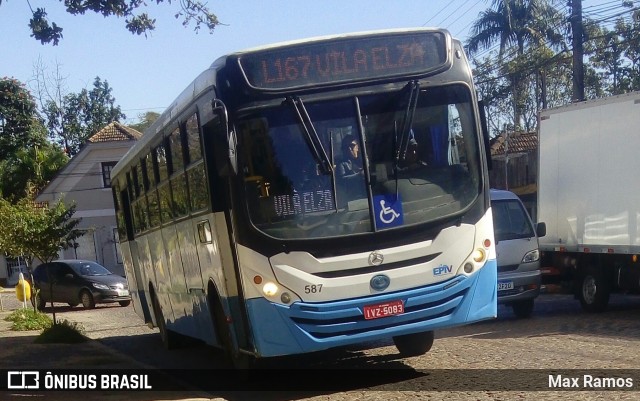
(86, 181)
(515, 166)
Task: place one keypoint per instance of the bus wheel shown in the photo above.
(169, 338)
(237, 360)
(594, 290)
(414, 344)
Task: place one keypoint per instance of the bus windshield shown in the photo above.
(369, 188)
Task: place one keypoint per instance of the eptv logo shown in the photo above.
(442, 269)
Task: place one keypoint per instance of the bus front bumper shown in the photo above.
(307, 327)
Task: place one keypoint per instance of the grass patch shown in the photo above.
(28, 319)
(65, 332)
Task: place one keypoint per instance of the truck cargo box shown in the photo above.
(589, 177)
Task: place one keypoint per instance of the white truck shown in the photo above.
(589, 198)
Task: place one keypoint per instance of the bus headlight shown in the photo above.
(270, 289)
(479, 255)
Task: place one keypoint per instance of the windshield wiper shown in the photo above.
(402, 137)
(311, 135)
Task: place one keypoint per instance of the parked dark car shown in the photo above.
(79, 282)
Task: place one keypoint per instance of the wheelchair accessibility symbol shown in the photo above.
(388, 210)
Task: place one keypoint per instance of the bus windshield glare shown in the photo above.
(290, 195)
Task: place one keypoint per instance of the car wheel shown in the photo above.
(87, 300)
(523, 309)
(594, 290)
(414, 344)
(124, 303)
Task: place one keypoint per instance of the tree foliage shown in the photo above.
(37, 231)
(521, 50)
(74, 117)
(29, 170)
(27, 160)
(17, 108)
(137, 21)
(146, 119)
(517, 26)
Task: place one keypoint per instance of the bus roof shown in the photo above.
(207, 79)
(313, 39)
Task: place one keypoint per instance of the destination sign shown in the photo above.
(346, 59)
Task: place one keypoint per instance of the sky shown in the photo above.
(147, 74)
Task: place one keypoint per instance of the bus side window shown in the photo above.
(154, 209)
(195, 174)
(194, 149)
(125, 223)
(175, 144)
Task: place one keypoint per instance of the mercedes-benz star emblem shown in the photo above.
(376, 258)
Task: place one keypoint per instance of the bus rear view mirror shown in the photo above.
(225, 141)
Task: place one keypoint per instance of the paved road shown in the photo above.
(558, 337)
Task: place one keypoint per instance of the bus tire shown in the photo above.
(237, 360)
(414, 344)
(593, 290)
(169, 338)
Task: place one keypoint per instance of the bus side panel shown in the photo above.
(146, 273)
(189, 255)
(209, 255)
(162, 282)
(129, 257)
(196, 318)
(177, 290)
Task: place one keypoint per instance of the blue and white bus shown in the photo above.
(247, 221)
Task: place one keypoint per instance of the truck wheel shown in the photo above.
(523, 309)
(414, 344)
(594, 291)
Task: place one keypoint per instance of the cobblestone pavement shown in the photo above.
(559, 336)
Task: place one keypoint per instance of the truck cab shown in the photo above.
(517, 250)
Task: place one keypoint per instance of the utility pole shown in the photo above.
(578, 51)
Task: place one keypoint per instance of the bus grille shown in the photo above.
(345, 318)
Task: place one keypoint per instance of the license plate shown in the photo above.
(505, 285)
(382, 310)
(122, 293)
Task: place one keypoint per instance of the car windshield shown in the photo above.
(89, 269)
(369, 188)
(510, 220)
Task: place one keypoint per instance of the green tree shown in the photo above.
(29, 170)
(137, 22)
(146, 119)
(27, 160)
(17, 108)
(37, 231)
(516, 25)
(74, 117)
